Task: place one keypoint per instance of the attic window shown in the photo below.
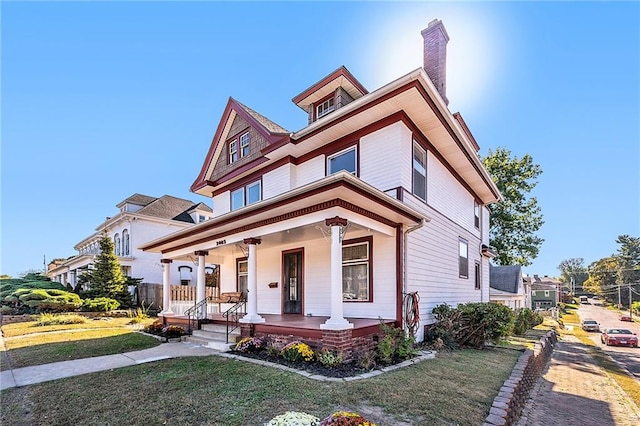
(324, 108)
(239, 147)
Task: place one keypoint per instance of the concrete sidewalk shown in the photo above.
(58, 370)
(574, 389)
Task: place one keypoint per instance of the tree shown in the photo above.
(514, 221)
(106, 278)
(573, 269)
(602, 276)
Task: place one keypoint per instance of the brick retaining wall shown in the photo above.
(508, 405)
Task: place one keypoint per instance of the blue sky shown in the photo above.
(103, 100)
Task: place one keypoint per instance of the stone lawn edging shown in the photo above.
(508, 405)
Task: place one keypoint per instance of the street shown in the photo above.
(627, 357)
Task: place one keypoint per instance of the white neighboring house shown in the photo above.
(141, 219)
(327, 229)
(507, 287)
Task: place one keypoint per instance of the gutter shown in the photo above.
(405, 243)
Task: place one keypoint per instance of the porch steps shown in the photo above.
(214, 336)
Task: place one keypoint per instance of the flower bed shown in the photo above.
(168, 332)
(294, 418)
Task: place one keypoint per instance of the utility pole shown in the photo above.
(619, 297)
(630, 303)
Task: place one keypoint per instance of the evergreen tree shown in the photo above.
(106, 278)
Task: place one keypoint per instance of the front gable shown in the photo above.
(237, 123)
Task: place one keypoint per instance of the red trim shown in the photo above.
(251, 177)
(288, 331)
(301, 272)
(238, 260)
(399, 274)
(201, 253)
(463, 124)
(252, 241)
(340, 72)
(336, 221)
(232, 105)
(166, 260)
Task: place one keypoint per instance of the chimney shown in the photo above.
(435, 55)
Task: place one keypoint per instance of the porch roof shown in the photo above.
(338, 191)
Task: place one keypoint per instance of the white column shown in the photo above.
(200, 282)
(337, 320)
(166, 286)
(252, 283)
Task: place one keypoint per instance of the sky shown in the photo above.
(101, 100)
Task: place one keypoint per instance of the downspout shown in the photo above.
(405, 243)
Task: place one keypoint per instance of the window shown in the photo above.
(233, 152)
(419, 171)
(324, 108)
(201, 218)
(476, 214)
(463, 258)
(185, 274)
(546, 293)
(533, 292)
(244, 144)
(242, 268)
(356, 276)
(125, 243)
(478, 277)
(344, 160)
(249, 194)
(239, 147)
(126, 270)
(116, 240)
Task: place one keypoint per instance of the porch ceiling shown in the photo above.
(297, 212)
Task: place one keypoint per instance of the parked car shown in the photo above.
(619, 337)
(626, 317)
(584, 300)
(590, 325)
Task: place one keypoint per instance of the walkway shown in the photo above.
(575, 390)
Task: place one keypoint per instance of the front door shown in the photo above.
(292, 282)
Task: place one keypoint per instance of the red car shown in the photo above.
(625, 317)
(619, 337)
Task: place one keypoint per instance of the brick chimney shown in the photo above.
(435, 55)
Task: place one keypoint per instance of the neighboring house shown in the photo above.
(507, 286)
(328, 228)
(544, 292)
(141, 218)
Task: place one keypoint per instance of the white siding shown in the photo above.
(221, 204)
(447, 195)
(310, 171)
(278, 181)
(383, 157)
(485, 225)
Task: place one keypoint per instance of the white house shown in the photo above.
(327, 229)
(141, 218)
(507, 286)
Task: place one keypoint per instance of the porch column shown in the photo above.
(252, 283)
(166, 286)
(337, 320)
(200, 282)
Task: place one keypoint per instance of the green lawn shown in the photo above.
(455, 388)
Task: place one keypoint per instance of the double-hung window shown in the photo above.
(478, 277)
(324, 108)
(419, 171)
(248, 194)
(463, 258)
(233, 152)
(244, 144)
(239, 147)
(242, 269)
(343, 160)
(356, 274)
(476, 214)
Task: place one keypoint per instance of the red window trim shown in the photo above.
(367, 239)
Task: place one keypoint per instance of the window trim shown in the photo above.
(235, 146)
(185, 267)
(126, 243)
(242, 144)
(245, 192)
(476, 214)
(415, 145)
(336, 154)
(233, 151)
(462, 265)
(117, 244)
(358, 241)
(238, 261)
(328, 110)
(478, 277)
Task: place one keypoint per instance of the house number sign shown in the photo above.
(221, 242)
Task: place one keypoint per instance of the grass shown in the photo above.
(455, 388)
(27, 344)
(617, 373)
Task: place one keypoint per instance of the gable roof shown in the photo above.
(200, 206)
(137, 199)
(169, 207)
(271, 131)
(505, 278)
(338, 78)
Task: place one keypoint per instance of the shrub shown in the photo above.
(346, 418)
(525, 320)
(329, 358)
(173, 331)
(273, 349)
(100, 304)
(395, 344)
(297, 351)
(294, 418)
(53, 319)
(250, 344)
(365, 360)
(155, 327)
(48, 300)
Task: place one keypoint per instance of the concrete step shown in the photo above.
(214, 336)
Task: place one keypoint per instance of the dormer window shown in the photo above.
(239, 147)
(324, 108)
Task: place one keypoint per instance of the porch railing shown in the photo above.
(233, 315)
(196, 313)
(188, 292)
